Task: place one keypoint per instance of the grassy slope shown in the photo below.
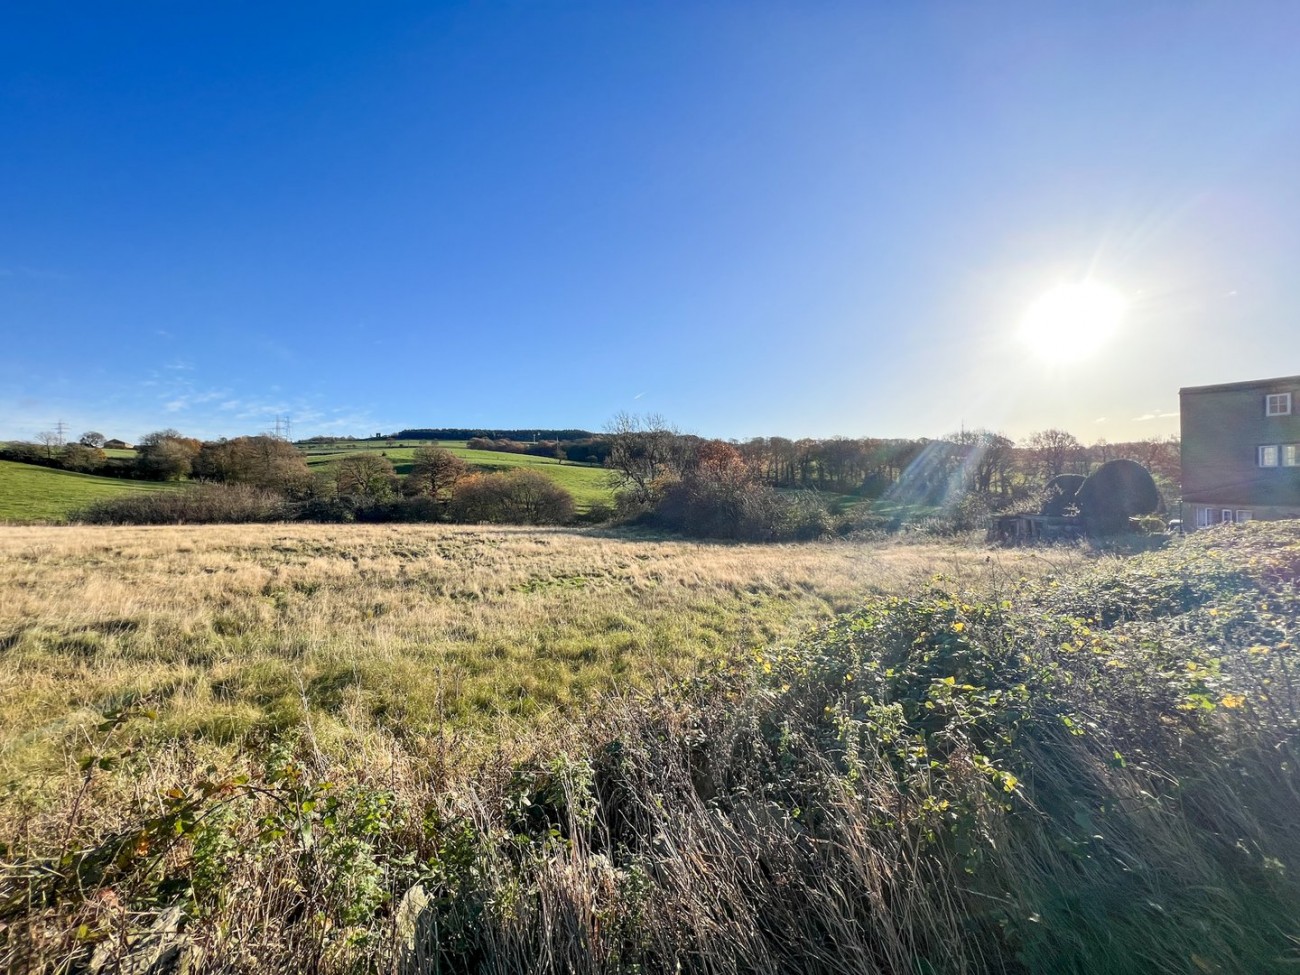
(588, 485)
(30, 493)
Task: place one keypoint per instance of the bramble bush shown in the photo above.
(200, 504)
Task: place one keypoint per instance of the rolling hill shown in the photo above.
(588, 485)
(29, 493)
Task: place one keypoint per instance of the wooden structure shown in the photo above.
(1025, 529)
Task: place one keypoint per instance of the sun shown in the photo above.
(1073, 321)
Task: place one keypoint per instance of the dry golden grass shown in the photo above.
(226, 629)
(1063, 775)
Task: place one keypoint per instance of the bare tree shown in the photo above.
(1055, 452)
(51, 441)
(264, 461)
(166, 455)
(365, 476)
(643, 449)
(986, 460)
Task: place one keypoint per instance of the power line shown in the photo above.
(61, 431)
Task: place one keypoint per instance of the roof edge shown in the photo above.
(1248, 384)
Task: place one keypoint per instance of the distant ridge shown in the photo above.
(459, 433)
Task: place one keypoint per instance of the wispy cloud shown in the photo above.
(190, 399)
(1154, 416)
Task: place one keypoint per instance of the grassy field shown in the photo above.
(225, 630)
(29, 493)
(588, 485)
(373, 748)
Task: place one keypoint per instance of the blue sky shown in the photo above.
(754, 218)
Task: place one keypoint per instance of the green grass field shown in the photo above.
(29, 493)
(588, 485)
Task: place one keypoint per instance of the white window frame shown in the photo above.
(1244, 514)
(1291, 455)
(1266, 455)
(1277, 404)
(1204, 516)
(1227, 516)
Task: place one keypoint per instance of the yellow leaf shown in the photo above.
(1233, 700)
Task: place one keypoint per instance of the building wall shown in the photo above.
(1222, 430)
(1193, 516)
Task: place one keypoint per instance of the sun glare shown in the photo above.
(1073, 321)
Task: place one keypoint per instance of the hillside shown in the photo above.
(29, 493)
(588, 485)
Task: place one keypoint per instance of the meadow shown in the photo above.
(29, 493)
(410, 630)
(589, 485)
(442, 748)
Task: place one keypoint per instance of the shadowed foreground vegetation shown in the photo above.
(1092, 770)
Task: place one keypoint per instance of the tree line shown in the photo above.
(776, 487)
(464, 433)
(265, 478)
(979, 461)
(764, 487)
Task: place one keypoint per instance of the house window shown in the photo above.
(1277, 404)
(1268, 455)
(1204, 517)
(1243, 515)
(1291, 455)
(1227, 516)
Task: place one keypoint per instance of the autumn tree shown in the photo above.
(80, 457)
(262, 461)
(365, 476)
(166, 455)
(434, 474)
(519, 496)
